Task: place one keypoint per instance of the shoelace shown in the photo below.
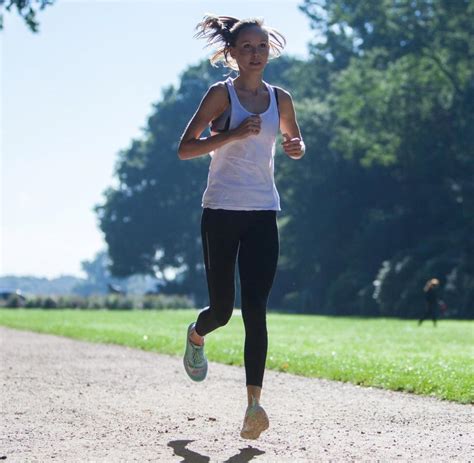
(198, 355)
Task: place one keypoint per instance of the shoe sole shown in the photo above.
(259, 422)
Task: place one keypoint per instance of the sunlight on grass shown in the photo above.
(387, 353)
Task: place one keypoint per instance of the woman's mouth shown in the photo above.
(255, 63)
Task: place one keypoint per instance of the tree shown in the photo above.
(99, 279)
(27, 9)
(401, 108)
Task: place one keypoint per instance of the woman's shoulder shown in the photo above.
(283, 97)
(282, 93)
(217, 94)
(218, 87)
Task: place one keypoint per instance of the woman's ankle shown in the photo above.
(253, 395)
(195, 338)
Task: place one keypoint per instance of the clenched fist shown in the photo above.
(293, 147)
(249, 126)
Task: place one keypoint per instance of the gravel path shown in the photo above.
(71, 400)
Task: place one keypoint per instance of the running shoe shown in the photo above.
(255, 421)
(195, 362)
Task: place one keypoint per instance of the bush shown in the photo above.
(14, 301)
(110, 301)
(297, 301)
(50, 303)
(166, 301)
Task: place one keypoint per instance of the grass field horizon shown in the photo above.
(388, 353)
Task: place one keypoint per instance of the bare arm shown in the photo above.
(212, 105)
(293, 144)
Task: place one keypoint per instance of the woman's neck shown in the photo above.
(251, 83)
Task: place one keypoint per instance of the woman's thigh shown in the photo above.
(220, 243)
(258, 258)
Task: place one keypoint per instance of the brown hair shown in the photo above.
(222, 31)
(430, 283)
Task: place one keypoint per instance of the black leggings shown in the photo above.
(430, 312)
(252, 236)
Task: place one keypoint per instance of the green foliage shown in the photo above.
(401, 107)
(27, 9)
(14, 301)
(111, 301)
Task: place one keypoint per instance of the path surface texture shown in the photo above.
(68, 400)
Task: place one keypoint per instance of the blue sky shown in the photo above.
(74, 95)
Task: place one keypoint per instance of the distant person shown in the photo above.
(240, 203)
(432, 301)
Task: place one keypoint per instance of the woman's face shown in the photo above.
(251, 49)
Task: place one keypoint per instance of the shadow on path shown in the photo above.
(190, 456)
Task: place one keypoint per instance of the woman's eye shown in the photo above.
(263, 45)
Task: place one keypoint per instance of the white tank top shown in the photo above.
(241, 173)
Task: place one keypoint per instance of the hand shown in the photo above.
(250, 126)
(293, 147)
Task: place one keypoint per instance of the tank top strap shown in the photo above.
(275, 94)
(272, 93)
(234, 99)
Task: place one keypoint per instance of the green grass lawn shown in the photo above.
(387, 353)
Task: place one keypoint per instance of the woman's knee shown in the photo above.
(254, 305)
(223, 315)
(255, 319)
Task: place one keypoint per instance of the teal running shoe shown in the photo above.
(195, 362)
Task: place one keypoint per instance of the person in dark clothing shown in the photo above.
(432, 301)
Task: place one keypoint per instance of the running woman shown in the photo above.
(240, 203)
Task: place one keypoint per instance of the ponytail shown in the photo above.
(222, 32)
